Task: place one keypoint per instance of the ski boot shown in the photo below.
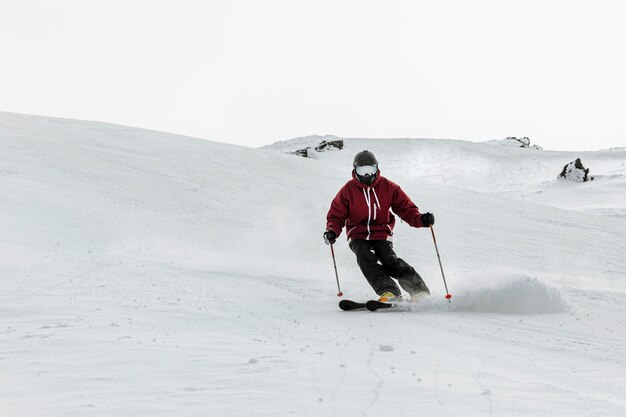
(389, 297)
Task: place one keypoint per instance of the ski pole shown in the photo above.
(332, 251)
(448, 295)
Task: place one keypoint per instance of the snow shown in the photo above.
(495, 167)
(151, 274)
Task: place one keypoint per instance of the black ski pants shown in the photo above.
(379, 263)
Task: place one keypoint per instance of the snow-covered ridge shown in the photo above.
(513, 141)
(509, 170)
(151, 274)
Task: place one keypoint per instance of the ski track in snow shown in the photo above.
(150, 274)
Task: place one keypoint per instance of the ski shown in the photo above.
(349, 305)
(373, 305)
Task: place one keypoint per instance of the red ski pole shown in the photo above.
(332, 251)
(448, 295)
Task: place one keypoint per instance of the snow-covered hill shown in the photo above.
(500, 167)
(145, 273)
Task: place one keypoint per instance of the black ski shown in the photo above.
(373, 305)
(348, 305)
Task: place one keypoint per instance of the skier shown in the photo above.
(363, 205)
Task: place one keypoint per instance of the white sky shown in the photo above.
(253, 72)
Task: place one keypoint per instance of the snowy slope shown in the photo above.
(145, 273)
(494, 166)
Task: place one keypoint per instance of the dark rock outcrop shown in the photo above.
(325, 145)
(330, 145)
(576, 172)
(307, 152)
(524, 142)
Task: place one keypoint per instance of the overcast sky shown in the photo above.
(254, 72)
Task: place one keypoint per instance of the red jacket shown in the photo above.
(364, 209)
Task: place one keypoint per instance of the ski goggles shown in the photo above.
(366, 170)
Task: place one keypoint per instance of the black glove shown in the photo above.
(428, 219)
(330, 237)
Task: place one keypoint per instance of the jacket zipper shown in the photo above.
(369, 210)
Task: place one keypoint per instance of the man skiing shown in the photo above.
(363, 205)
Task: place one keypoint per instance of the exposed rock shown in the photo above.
(524, 142)
(576, 172)
(330, 145)
(307, 152)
